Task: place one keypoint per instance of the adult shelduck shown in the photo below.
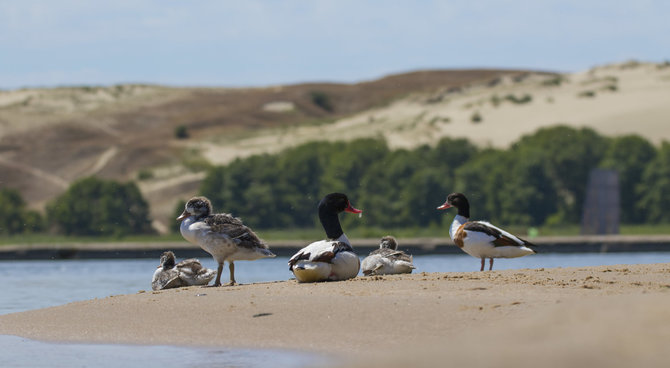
(223, 236)
(185, 273)
(387, 259)
(332, 259)
(481, 239)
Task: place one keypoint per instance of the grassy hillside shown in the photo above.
(50, 137)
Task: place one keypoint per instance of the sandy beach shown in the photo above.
(600, 316)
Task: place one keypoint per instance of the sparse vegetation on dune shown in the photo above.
(476, 117)
(554, 81)
(511, 98)
(587, 94)
(526, 98)
(322, 100)
(181, 132)
(122, 132)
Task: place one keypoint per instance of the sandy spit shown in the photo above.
(611, 316)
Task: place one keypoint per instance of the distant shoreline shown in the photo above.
(416, 246)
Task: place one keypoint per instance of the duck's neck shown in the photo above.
(331, 224)
(343, 238)
(464, 209)
(458, 221)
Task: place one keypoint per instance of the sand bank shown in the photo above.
(607, 315)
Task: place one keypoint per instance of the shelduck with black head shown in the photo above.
(481, 239)
(331, 259)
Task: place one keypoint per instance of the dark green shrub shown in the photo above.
(555, 81)
(145, 174)
(15, 218)
(93, 206)
(476, 118)
(322, 100)
(519, 100)
(181, 132)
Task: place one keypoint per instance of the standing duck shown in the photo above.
(481, 239)
(387, 259)
(185, 273)
(332, 259)
(223, 236)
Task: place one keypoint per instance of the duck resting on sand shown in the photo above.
(188, 272)
(481, 239)
(223, 236)
(332, 259)
(387, 259)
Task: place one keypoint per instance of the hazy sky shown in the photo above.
(252, 42)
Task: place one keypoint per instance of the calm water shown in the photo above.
(37, 284)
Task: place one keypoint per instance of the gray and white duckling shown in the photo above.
(223, 236)
(387, 259)
(188, 272)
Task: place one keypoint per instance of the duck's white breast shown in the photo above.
(219, 245)
(345, 266)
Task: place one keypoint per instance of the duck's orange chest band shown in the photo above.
(460, 235)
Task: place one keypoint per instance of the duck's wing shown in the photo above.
(394, 255)
(401, 256)
(497, 236)
(190, 266)
(192, 272)
(320, 251)
(223, 224)
(379, 251)
(166, 279)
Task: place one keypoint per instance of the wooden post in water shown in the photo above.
(601, 211)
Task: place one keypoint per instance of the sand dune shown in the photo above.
(620, 99)
(58, 135)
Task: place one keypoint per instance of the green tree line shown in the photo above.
(90, 207)
(540, 180)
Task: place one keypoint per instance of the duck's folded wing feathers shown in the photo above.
(392, 254)
(321, 251)
(191, 264)
(233, 228)
(499, 237)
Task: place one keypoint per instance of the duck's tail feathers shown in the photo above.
(529, 245)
